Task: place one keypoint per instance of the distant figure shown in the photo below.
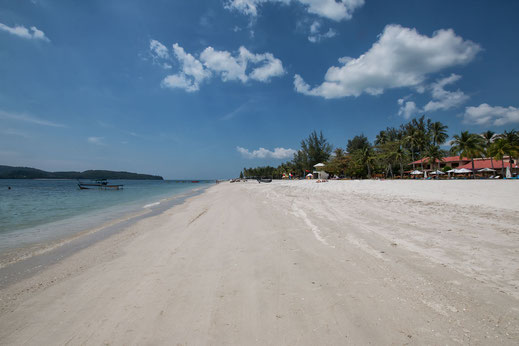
(8, 188)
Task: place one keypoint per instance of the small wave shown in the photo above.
(151, 205)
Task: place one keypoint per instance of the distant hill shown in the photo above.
(9, 172)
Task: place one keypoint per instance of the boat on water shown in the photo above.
(100, 184)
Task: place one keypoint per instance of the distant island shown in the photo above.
(9, 172)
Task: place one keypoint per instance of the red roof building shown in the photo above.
(452, 161)
(488, 163)
(463, 162)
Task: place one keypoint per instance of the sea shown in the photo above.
(38, 212)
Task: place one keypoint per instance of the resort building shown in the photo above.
(480, 163)
(451, 161)
(457, 162)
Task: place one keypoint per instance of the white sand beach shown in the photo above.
(286, 263)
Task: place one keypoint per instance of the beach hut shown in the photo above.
(319, 170)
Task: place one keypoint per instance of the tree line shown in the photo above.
(392, 151)
(9, 172)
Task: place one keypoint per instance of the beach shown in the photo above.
(290, 262)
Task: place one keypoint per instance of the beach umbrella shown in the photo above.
(451, 171)
(309, 175)
(424, 174)
(437, 172)
(463, 170)
(487, 170)
(508, 173)
(319, 165)
(416, 172)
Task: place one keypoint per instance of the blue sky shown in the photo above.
(200, 89)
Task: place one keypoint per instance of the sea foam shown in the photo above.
(151, 205)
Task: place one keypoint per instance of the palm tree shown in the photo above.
(498, 150)
(384, 155)
(467, 145)
(422, 134)
(489, 137)
(434, 154)
(381, 138)
(412, 139)
(394, 152)
(512, 138)
(438, 133)
(367, 157)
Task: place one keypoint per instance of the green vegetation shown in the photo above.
(468, 145)
(506, 144)
(393, 150)
(8, 172)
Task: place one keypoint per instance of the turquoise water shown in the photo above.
(36, 211)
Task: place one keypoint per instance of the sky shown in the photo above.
(201, 89)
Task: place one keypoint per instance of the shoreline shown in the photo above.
(289, 263)
(23, 262)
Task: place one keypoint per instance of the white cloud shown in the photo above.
(407, 108)
(180, 81)
(485, 114)
(400, 58)
(159, 54)
(225, 64)
(271, 67)
(248, 7)
(315, 27)
(444, 99)
(262, 153)
(95, 140)
(332, 9)
(159, 50)
(420, 89)
(315, 34)
(21, 31)
(193, 71)
(28, 119)
(441, 99)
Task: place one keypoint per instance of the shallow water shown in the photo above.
(37, 211)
